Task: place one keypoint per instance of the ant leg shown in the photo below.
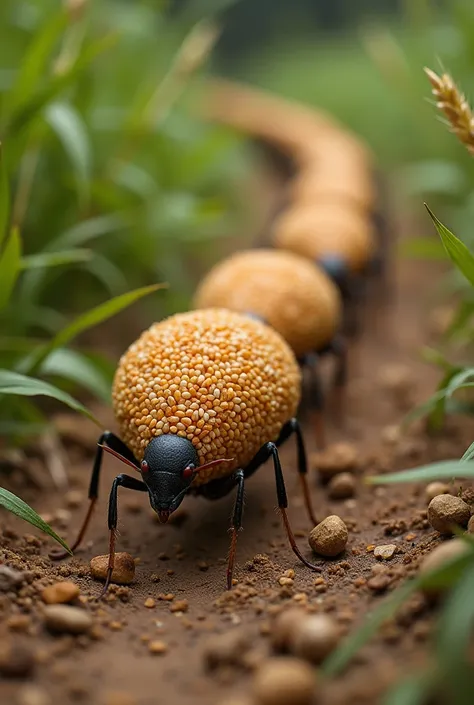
(293, 426)
(316, 399)
(339, 347)
(130, 483)
(267, 451)
(119, 447)
(236, 524)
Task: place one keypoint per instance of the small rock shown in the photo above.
(284, 680)
(16, 660)
(398, 380)
(10, 578)
(227, 649)
(379, 582)
(284, 626)
(60, 592)
(123, 572)
(157, 647)
(119, 697)
(391, 435)
(441, 555)
(62, 517)
(446, 512)
(179, 606)
(436, 488)
(66, 619)
(470, 525)
(32, 695)
(342, 486)
(336, 458)
(385, 552)
(315, 638)
(329, 537)
(149, 603)
(74, 498)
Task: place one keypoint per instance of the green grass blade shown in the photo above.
(10, 262)
(77, 368)
(411, 691)
(28, 112)
(468, 454)
(17, 506)
(88, 320)
(340, 658)
(444, 470)
(70, 129)
(4, 197)
(33, 66)
(55, 259)
(17, 384)
(456, 249)
(454, 634)
(443, 576)
(88, 230)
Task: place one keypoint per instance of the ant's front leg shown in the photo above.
(119, 448)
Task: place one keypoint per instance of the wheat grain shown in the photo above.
(452, 102)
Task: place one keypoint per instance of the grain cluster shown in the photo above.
(294, 297)
(225, 381)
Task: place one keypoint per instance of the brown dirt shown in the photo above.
(186, 558)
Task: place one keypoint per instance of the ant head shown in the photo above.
(170, 464)
(335, 267)
(168, 467)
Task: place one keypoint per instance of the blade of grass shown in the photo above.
(88, 320)
(21, 509)
(468, 454)
(33, 66)
(72, 133)
(442, 576)
(55, 259)
(4, 197)
(411, 691)
(76, 367)
(17, 384)
(10, 263)
(456, 249)
(444, 470)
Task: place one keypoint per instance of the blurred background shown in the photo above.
(115, 182)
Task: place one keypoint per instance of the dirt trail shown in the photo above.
(187, 558)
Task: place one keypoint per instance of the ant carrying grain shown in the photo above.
(202, 400)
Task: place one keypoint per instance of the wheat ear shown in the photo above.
(454, 105)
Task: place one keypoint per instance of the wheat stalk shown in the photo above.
(452, 102)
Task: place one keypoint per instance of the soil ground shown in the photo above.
(186, 558)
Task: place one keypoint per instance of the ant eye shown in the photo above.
(144, 466)
(188, 472)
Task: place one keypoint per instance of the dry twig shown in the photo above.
(452, 102)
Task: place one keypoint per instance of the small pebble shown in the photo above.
(446, 512)
(329, 537)
(435, 488)
(342, 486)
(227, 649)
(16, 660)
(157, 647)
(60, 592)
(284, 681)
(315, 638)
(470, 525)
(336, 458)
(150, 603)
(123, 572)
(74, 498)
(66, 619)
(284, 627)
(385, 552)
(32, 695)
(179, 606)
(119, 697)
(10, 578)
